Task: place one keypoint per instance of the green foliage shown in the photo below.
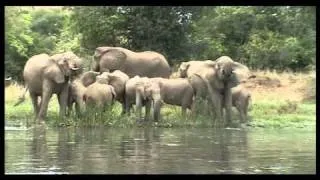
(278, 37)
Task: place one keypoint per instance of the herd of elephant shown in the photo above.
(135, 78)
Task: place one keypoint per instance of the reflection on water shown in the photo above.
(157, 150)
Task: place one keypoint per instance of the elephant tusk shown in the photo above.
(75, 69)
(8, 79)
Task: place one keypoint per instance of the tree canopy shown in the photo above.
(278, 37)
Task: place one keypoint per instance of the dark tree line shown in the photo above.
(278, 37)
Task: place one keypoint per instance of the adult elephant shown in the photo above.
(144, 64)
(45, 75)
(219, 77)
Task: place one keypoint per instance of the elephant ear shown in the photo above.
(100, 51)
(241, 72)
(89, 78)
(54, 73)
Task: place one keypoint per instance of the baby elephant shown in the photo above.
(117, 79)
(241, 98)
(99, 94)
(138, 91)
(77, 88)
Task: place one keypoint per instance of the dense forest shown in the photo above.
(279, 37)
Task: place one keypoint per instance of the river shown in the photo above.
(160, 151)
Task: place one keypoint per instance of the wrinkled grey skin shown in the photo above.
(99, 94)
(77, 88)
(219, 77)
(118, 80)
(141, 91)
(144, 64)
(45, 75)
(178, 92)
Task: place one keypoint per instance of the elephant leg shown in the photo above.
(242, 116)
(139, 105)
(245, 112)
(70, 104)
(63, 101)
(193, 108)
(34, 99)
(45, 98)
(228, 105)
(183, 111)
(78, 111)
(148, 108)
(216, 103)
(123, 108)
(127, 106)
(242, 113)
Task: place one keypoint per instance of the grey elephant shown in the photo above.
(219, 77)
(241, 99)
(99, 94)
(141, 92)
(186, 69)
(144, 64)
(118, 80)
(45, 75)
(178, 92)
(77, 88)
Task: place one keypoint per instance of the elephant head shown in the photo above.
(230, 72)
(113, 58)
(182, 71)
(153, 92)
(89, 77)
(69, 63)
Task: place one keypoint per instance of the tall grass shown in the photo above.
(278, 107)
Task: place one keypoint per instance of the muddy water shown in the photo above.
(157, 151)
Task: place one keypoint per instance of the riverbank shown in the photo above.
(279, 100)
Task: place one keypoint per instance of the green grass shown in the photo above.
(281, 114)
(268, 114)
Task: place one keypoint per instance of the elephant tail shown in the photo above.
(22, 97)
